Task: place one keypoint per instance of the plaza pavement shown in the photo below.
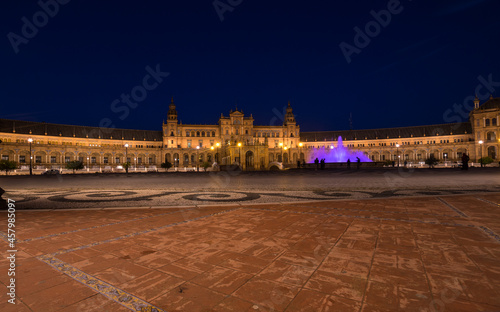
(432, 253)
(181, 189)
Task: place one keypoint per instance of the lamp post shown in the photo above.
(197, 159)
(281, 146)
(285, 148)
(126, 157)
(481, 152)
(31, 157)
(397, 153)
(217, 153)
(88, 165)
(300, 147)
(212, 149)
(239, 154)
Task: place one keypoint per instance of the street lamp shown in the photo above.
(281, 146)
(300, 147)
(217, 153)
(285, 148)
(397, 152)
(212, 149)
(31, 157)
(197, 159)
(239, 154)
(481, 151)
(126, 157)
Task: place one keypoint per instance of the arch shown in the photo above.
(201, 158)
(249, 159)
(285, 158)
(176, 160)
(294, 157)
(271, 157)
(119, 158)
(279, 157)
(492, 152)
(193, 158)
(168, 158)
(302, 157)
(185, 159)
(491, 136)
(203, 133)
(197, 133)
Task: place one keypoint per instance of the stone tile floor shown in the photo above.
(397, 254)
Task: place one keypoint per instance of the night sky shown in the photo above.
(258, 55)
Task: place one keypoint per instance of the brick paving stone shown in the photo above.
(410, 254)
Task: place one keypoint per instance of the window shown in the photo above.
(52, 159)
(106, 160)
(227, 131)
(139, 160)
(5, 157)
(494, 122)
(200, 143)
(246, 131)
(128, 160)
(213, 134)
(38, 159)
(67, 159)
(189, 143)
(192, 159)
(22, 159)
(487, 123)
(80, 159)
(187, 133)
(93, 160)
(117, 160)
(150, 160)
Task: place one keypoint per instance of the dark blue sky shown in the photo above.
(262, 54)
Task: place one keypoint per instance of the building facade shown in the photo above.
(236, 140)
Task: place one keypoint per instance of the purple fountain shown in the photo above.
(340, 153)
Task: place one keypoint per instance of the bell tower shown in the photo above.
(170, 133)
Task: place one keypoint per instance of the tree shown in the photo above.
(486, 160)
(126, 166)
(7, 165)
(431, 161)
(74, 165)
(205, 165)
(166, 165)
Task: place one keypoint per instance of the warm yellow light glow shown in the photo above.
(212, 148)
(126, 145)
(397, 145)
(30, 140)
(480, 142)
(281, 144)
(217, 144)
(239, 144)
(198, 147)
(300, 144)
(285, 148)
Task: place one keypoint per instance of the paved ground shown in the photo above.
(174, 189)
(433, 253)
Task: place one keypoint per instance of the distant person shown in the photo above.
(303, 163)
(405, 163)
(298, 164)
(393, 164)
(348, 163)
(358, 163)
(316, 161)
(322, 164)
(465, 162)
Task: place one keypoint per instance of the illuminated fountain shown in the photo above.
(340, 153)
